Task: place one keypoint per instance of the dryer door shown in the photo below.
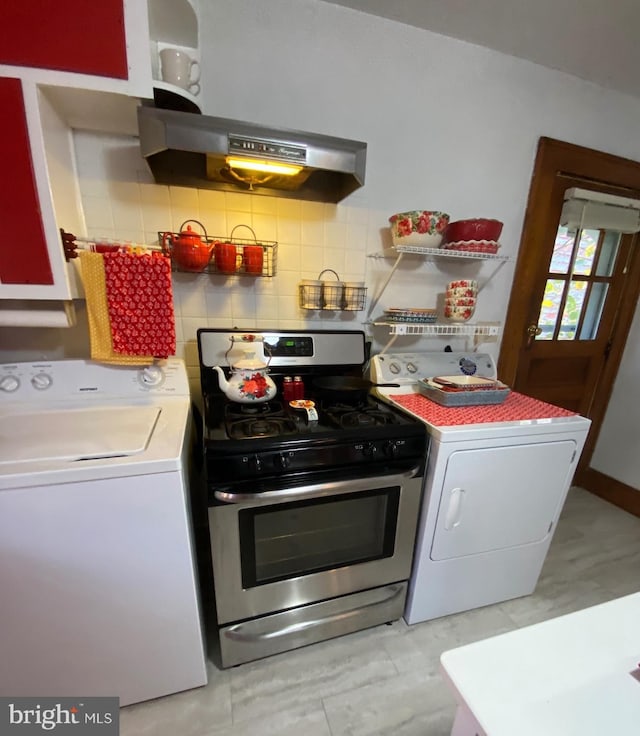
(500, 497)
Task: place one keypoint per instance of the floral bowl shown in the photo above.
(463, 284)
(461, 293)
(458, 313)
(419, 227)
(468, 301)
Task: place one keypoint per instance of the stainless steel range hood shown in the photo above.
(193, 150)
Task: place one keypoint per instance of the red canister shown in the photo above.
(288, 392)
(298, 387)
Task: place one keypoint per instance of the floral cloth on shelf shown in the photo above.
(140, 303)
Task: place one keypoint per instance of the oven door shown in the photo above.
(280, 549)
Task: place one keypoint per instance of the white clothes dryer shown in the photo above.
(97, 565)
(497, 478)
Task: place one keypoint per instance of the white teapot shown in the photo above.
(249, 382)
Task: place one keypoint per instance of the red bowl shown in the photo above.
(476, 229)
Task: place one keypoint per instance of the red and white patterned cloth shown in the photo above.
(517, 407)
(140, 303)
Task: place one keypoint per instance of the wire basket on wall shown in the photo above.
(195, 252)
(332, 295)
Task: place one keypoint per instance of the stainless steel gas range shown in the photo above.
(312, 521)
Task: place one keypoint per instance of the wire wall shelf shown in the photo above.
(439, 253)
(435, 330)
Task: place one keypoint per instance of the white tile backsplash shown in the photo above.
(130, 210)
(155, 206)
(313, 232)
(184, 206)
(289, 229)
(311, 237)
(126, 208)
(97, 212)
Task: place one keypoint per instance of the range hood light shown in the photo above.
(188, 150)
(263, 166)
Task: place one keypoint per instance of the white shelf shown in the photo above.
(436, 329)
(179, 91)
(430, 253)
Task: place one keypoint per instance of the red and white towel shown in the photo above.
(140, 303)
(131, 320)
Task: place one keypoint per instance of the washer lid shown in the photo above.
(76, 434)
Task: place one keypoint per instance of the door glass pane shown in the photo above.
(292, 539)
(561, 258)
(587, 249)
(550, 308)
(608, 253)
(572, 310)
(593, 313)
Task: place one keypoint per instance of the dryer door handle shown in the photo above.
(454, 509)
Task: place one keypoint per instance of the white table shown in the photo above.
(576, 675)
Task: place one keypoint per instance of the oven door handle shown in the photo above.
(236, 631)
(333, 488)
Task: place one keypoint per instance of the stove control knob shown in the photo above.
(391, 449)
(281, 461)
(9, 383)
(255, 463)
(369, 449)
(411, 367)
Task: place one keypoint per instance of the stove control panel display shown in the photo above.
(290, 346)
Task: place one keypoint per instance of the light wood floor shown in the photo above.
(385, 680)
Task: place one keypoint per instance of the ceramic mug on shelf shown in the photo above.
(253, 258)
(177, 68)
(226, 257)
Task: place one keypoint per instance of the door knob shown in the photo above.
(533, 331)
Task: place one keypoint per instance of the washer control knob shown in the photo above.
(394, 368)
(151, 376)
(412, 367)
(41, 381)
(9, 383)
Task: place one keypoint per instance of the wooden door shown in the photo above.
(551, 349)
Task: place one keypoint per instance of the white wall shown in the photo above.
(449, 126)
(616, 452)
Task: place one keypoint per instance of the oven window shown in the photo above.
(292, 539)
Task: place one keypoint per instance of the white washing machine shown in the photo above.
(496, 481)
(97, 565)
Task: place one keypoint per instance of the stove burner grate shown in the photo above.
(363, 415)
(260, 420)
(240, 429)
(245, 411)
